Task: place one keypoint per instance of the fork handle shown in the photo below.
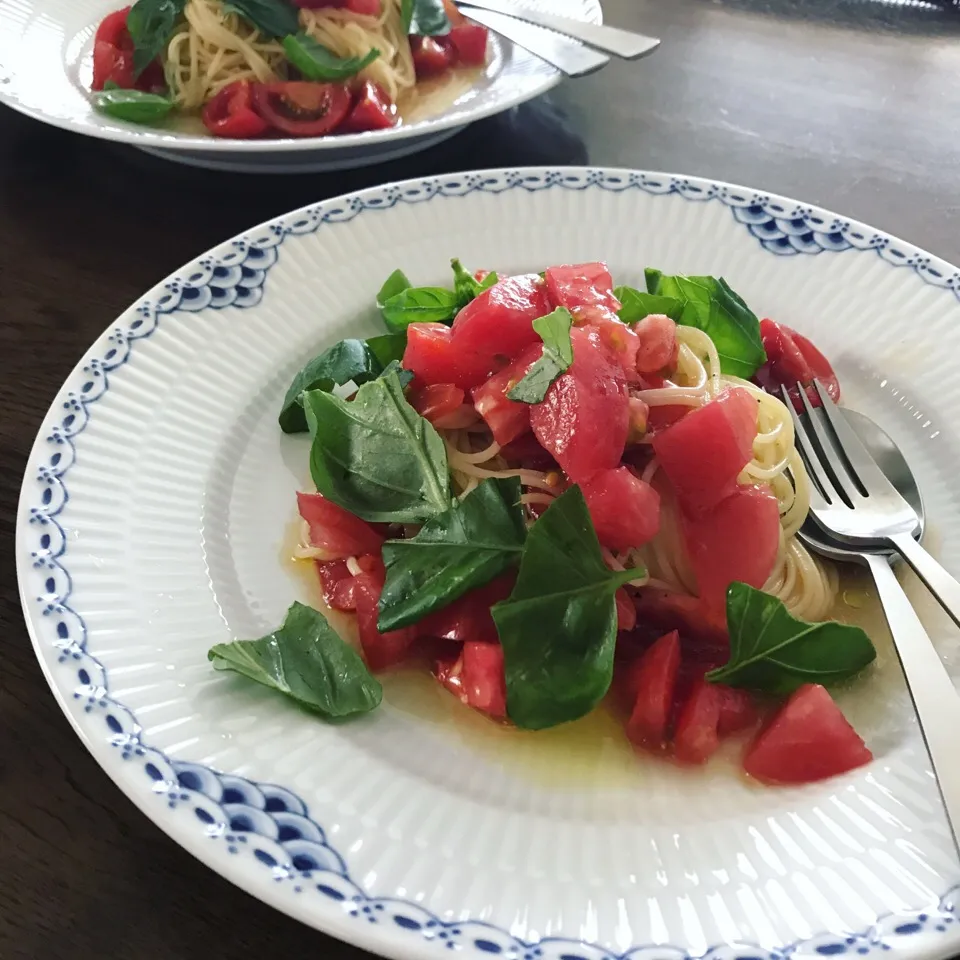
(934, 696)
(937, 580)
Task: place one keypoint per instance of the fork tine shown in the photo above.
(831, 454)
(862, 467)
(822, 485)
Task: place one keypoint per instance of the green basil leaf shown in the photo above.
(426, 18)
(635, 305)
(710, 305)
(396, 283)
(305, 659)
(476, 540)
(151, 24)
(559, 626)
(345, 361)
(388, 348)
(405, 377)
(419, 305)
(275, 19)
(771, 650)
(316, 62)
(132, 105)
(466, 287)
(554, 330)
(375, 455)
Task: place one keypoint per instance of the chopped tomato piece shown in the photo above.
(622, 344)
(431, 356)
(496, 327)
(334, 530)
(338, 586)
(703, 453)
(381, 650)
(113, 58)
(585, 289)
(658, 346)
(808, 739)
(584, 417)
(430, 57)
(665, 415)
(794, 362)
(506, 418)
(738, 710)
(624, 509)
(372, 110)
(468, 618)
(696, 738)
(470, 42)
(436, 401)
(301, 108)
(676, 611)
(626, 610)
(651, 682)
(738, 540)
(484, 683)
(230, 113)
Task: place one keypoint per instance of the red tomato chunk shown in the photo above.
(506, 418)
(624, 509)
(334, 530)
(703, 453)
(658, 347)
(652, 680)
(809, 739)
(585, 289)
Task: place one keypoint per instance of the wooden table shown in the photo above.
(852, 104)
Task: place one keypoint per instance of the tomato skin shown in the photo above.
(476, 677)
(468, 618)
(794, 362)
(738, 710)
(664, 611)
(584, 418)
(433, 358)
(436, 401)
(506, 418)
(430, 57)
(651, 683)
(230, 113)
(113, 58)
(372, 110)
(300, 108)
(658, 345)
(337, 584)
(336, 531)
(585, 289)
(696, 738)
(470, 43)
(496, 327)
(624, 509)
(703, 453)
(809, 739)
(621, 343)
(737, 540)
(381, 650)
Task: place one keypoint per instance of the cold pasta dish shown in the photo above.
(552, 491)
(279, 68)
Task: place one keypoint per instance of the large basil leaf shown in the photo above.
(375, 455)
(134, 106)
(474, 541)
(466, 286)
(554, 330)
(419, 305)
(559, 626)
(275, 19)
(396, 283)
(316, 62)
(151, 24)
(635, 305)
(305, 659)
(356, 360)
(771, 650)
(426, 18)
(711, 306)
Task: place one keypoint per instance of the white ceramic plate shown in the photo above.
(158, 506)
(46, 50)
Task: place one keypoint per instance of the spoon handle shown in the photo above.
(934, 696)
(937, 580)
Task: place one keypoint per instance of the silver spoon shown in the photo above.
(932, 691)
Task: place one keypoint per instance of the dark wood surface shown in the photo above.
(853, 104)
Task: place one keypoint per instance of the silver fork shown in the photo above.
(855, 502)
(857, 506)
